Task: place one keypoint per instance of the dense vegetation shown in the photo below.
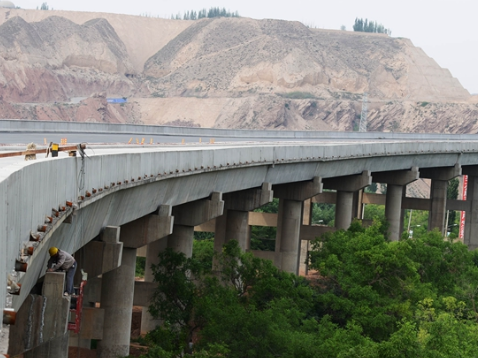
(373, 298)
(370, 26)
(212, 12)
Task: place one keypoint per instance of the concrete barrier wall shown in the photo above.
(13, 125)
(29, 190)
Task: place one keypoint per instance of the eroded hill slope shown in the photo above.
(223, 72)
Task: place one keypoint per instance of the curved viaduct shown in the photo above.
(112, 202)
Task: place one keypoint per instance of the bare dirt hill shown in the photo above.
(229, 56)
(142, 36)
(54, 59)
(223, 72)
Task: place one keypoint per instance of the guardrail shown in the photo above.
(14, 125)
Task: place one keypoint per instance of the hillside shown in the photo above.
(223, 72)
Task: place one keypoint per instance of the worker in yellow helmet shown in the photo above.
(62, 261)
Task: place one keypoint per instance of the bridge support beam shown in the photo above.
(187, 216)
(289, 221)
(178, 236)
(148, 323)
(346, 186)
(234, 223)
(117, 290)
(438, 191)
(396, 183)
(151, 231)
(181, 240)
(287, 251)
(436, 218)
(149, 228)
(393, 210)
(471, 217)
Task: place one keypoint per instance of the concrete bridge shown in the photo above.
(114, 202)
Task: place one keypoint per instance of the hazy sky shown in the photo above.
(446, 30)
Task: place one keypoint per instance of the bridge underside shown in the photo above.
(108, 207)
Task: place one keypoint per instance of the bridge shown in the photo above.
(111, 202)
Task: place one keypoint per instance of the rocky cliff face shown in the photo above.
(227, 72)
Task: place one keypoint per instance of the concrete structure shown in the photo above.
(108, 205)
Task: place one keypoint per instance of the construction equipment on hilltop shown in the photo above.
(363, 116)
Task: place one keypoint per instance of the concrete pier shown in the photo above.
(288, 235)
(471, 217)
(343, 209)
(234, 223)
(438, 191)
(41, 324)
(117, 290)
(396, 183)
(148, 323)
(393, 208)
(181, 240)
(289, 221)
(346, 187)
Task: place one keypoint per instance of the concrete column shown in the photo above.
(234, 223)
(397, 181)
(343, 209)
(393, 209)
(288, 235)
(187, 216)
(57, 347)
(237, 228)
(357, 211)
(471, 218)
(41, 327)
(304, 244)
(117, 290)
(439, 177)
(346, 187)
(219, 236)
(152, 252)
(436, 218)
(181, 240)
(289, 221)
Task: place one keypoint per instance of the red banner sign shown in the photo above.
(463, 213)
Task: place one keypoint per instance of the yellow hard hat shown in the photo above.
(53, 251)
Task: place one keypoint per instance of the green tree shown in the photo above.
(203, 253)
(361, 25)
(323, 213)
(372, 188)
(373, 211)
(373, 298)
(366, 277)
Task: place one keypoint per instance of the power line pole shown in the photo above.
(363, 116)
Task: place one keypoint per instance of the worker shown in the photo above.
(62, 261)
